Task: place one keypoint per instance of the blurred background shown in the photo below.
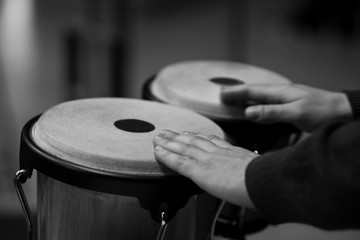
(57, 50)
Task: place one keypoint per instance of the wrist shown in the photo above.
(343, 108)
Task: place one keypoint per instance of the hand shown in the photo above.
(305, 107)
(210, 162)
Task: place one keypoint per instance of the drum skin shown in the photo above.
(86, 192)
(197, 85)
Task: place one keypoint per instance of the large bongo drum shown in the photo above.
(98, 177)
(196, 85)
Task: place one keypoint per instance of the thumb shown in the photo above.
(270, 113)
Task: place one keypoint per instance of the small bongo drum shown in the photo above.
(98, 177)
(196, 85)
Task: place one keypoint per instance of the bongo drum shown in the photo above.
(98, 177)
(196, 85)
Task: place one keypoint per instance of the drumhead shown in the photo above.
(114, 135)
(196, 85)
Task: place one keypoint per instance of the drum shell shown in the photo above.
(70, 212)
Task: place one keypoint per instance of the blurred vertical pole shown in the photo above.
(105, 37)
(119, 47)
(8, 161)
(17, 61)
(238, 30)
(72, 42)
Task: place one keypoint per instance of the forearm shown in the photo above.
(316, 182)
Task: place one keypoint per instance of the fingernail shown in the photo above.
(252, 113)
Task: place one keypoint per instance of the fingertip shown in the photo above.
(160, 153)
(158, 148)
(226, 95)
(253, 113)
(163, 132)
(167, 134)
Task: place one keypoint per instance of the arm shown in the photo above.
(316, 182)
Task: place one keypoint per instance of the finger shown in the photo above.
(178, 163)
(180, 148)
(259, 93)
(212, 138)
(168, 134)
(190, 138)
(271, 113)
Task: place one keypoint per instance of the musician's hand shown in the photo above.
(210, 162)
(303, 106)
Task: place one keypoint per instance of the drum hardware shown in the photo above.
(20, 178)
(163, 225)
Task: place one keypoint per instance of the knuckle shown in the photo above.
(179, 147)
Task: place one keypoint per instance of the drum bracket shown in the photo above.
(20, 178)
(163, 225)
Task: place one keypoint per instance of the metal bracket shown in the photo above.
(163, 225)
(20, 178)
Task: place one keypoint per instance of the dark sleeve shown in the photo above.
(354, 99)
(315, 182)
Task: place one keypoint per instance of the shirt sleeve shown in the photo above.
(354, 99)
(315, 182)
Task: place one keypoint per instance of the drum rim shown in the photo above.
(33, 157)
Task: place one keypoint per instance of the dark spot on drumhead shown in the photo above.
(226, 81)
(134, 125)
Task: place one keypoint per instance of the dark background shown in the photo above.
(56, 50)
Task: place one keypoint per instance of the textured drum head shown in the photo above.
(113, 134)
(196, 85)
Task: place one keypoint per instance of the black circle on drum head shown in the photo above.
(226, 81)
(134, 125)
